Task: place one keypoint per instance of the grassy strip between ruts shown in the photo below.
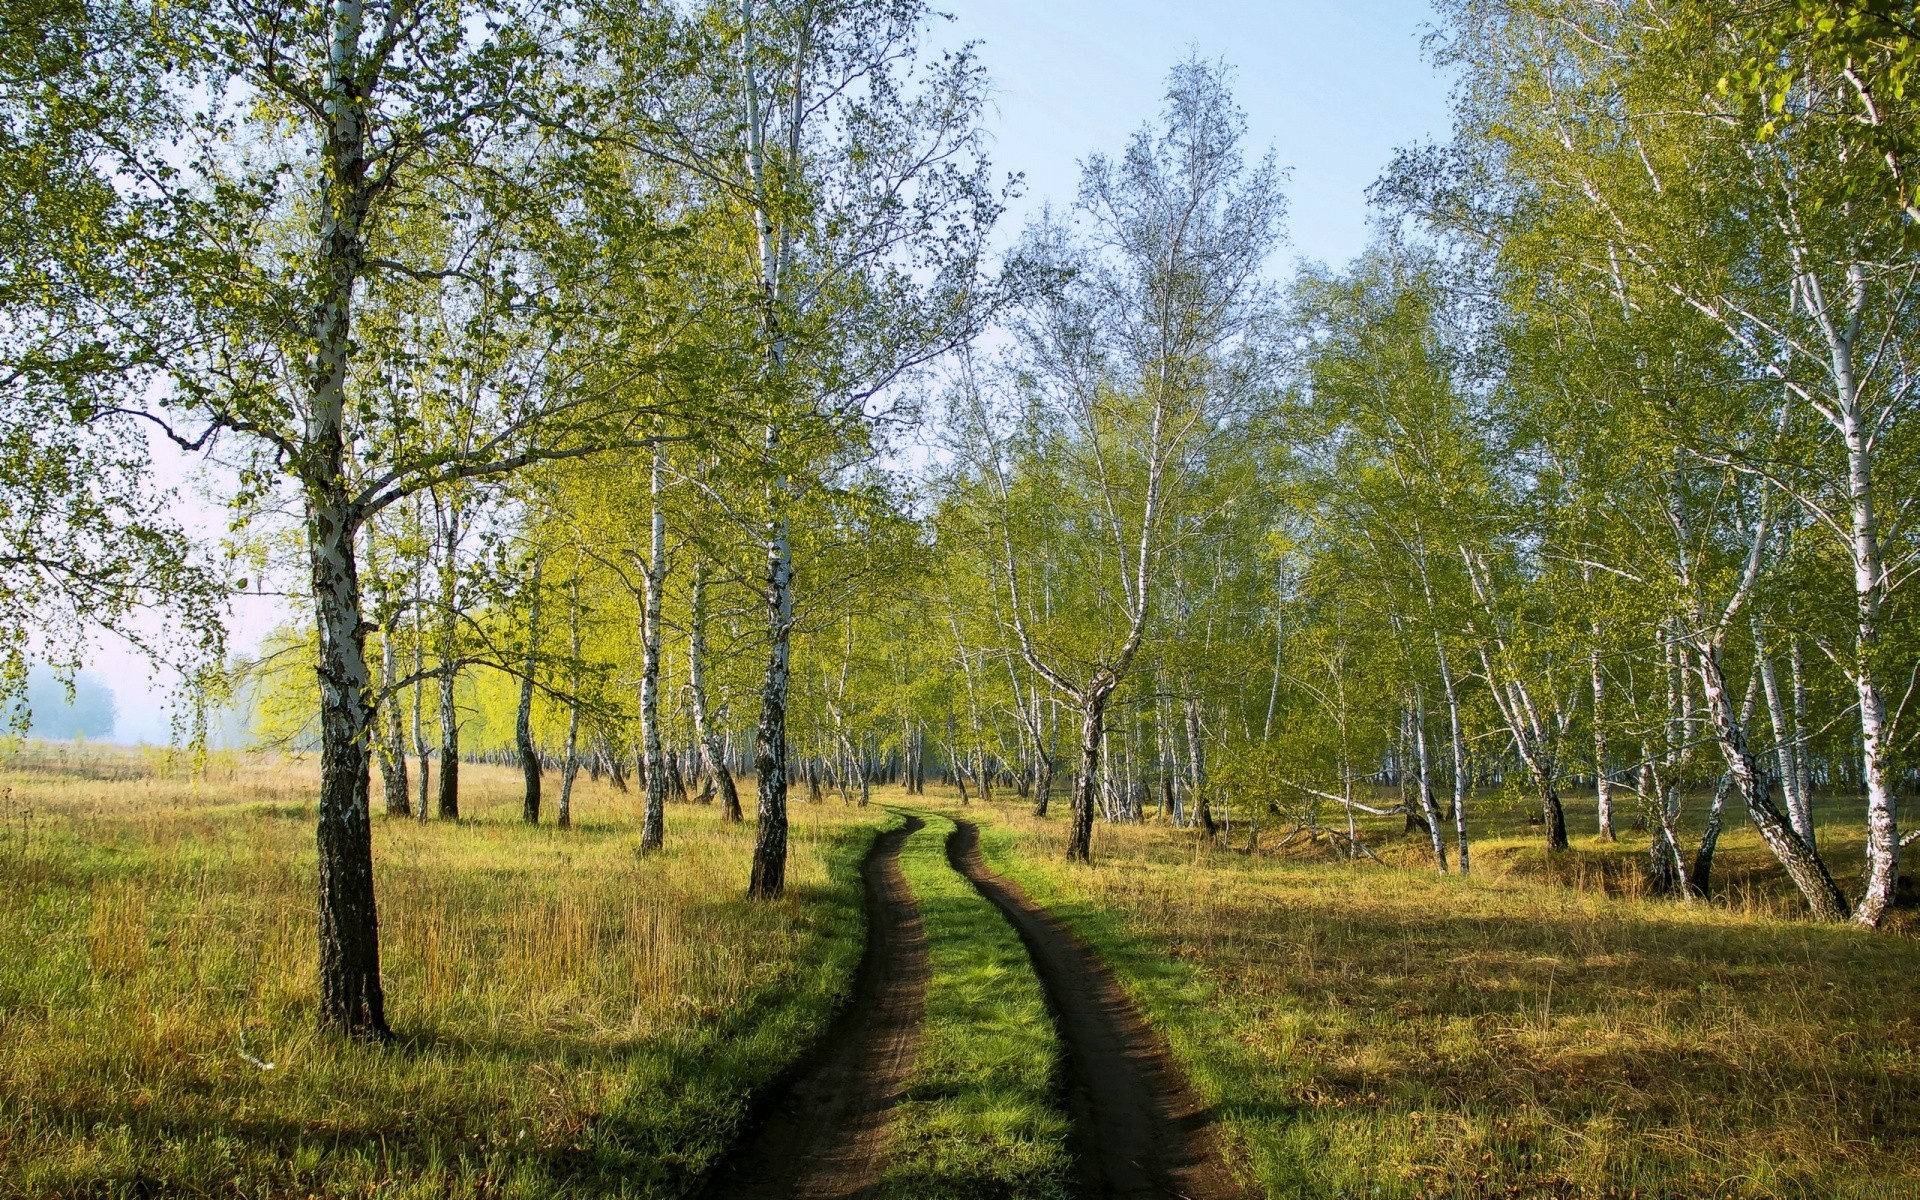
(980, 1117)
(572, 1019)
(1373, 1032)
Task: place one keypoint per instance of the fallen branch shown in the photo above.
(1365, 808)
(1355, 844)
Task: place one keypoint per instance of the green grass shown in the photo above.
(1370, 1031)
(575, 1020)
(572, 1019)
(980, 1118)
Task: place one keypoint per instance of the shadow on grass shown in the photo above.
(448, 1109)
(1369, 1028)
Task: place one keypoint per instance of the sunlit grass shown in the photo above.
(571, 1018)
(980, 1117)
(1378, 1031)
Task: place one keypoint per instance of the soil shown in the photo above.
(1138, 1129)
(824, 1135)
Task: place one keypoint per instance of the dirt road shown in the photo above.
(1138, 1129)
(822, 1138)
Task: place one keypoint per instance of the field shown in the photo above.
(1371, 1031)
(571, 1018)
(576, 1020)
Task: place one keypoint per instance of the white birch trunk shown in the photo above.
(1799, 812)
(653, 828)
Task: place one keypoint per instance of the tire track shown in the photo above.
(1138, 1130)
(823, 1137)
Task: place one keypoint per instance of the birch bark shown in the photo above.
(710, 748)
(653, 828)
(563, 814)
(351, 998)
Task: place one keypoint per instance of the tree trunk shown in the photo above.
(523, 718)
(1869, 586)
(710, 749)
(1602, 783)
(1522, 716)
(654, 828)
(1529, 741)
(351, 1000)
(1710, 836)
(1702, 880)
(1458, 744)
(1042, 774)
(1803, 863)
(393, 748)
(1801, 759)
(1554, 812)
(1427, 805)
(1093, 709)
(449, 798)
(422, 751)
(1799, 812)
(563, 816)
(1108, 808)
(1666, 870)
(1197, 772)
(770, 745)
(856, 769)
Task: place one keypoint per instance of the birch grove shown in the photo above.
(652, 390)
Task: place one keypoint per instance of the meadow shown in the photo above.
(574, 1019)
(571, 1018)
(1540, 1029)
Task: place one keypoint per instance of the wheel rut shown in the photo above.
(1138, 1129)
(823, 1136)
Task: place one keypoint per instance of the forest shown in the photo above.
(798, 686)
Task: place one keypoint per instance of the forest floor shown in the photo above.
(1205, 1019)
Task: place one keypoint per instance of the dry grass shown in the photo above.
(571, 1018)
(1377, 1031)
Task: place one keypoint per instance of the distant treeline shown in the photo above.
(50, 709)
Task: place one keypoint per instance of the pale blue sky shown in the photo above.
(1333, 88)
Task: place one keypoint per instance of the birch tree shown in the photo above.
(325, 129)
(1142, 359)
(846, 162)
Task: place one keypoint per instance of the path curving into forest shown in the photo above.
(1138, 1129)
(823, 1137)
